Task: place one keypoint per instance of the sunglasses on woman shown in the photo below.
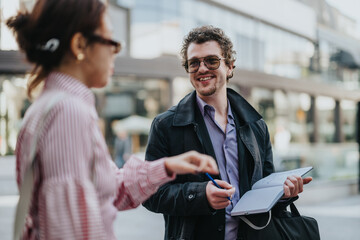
(99, 39)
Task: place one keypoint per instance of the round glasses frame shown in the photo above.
(207, 62)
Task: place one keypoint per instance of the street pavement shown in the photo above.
(338, 219)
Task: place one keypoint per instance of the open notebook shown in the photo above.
(265, 193)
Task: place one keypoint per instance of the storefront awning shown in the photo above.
(350, 47)
(345, 59)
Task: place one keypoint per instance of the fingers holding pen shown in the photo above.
(194, 162)
(217, 197)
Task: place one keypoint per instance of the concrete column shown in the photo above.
(171, 92)
(338, 135)
(313, 118)
(358, 139)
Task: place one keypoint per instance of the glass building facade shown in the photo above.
(300, 122)
(260, 46)
(284, 74)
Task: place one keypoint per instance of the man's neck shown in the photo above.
(218, 101)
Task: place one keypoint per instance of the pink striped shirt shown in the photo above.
(78, 189)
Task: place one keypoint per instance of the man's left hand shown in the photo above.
(294, 185)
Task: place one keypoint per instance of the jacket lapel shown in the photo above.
(248, 138)
(203, 134)
(188, 113)
(244, 115)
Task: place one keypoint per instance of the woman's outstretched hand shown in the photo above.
(190, 162)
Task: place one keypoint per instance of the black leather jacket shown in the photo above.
(183, 201)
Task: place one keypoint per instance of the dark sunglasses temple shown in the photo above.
(115, 44)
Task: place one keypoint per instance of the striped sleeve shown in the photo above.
(138, 180)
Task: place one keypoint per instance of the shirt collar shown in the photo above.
(70, 85)
(202, 106)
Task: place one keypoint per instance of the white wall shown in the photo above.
(8, 9)
(288, 14)
(119, 21)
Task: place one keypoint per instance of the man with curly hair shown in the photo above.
(217, 121)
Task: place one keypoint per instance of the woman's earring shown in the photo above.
(80, 57)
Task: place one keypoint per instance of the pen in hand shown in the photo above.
(213, 181)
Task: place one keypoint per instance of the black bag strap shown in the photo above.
(294, 210)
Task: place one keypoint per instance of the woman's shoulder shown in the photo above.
(61, 105)
(64, 102)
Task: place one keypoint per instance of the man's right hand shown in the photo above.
(217, 197)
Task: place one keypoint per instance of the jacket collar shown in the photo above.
(185, 114)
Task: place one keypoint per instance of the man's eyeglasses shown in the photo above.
(102, 40)
(211, 62)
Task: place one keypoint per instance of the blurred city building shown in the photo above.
(297, 63)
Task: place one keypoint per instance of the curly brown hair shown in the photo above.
(209, 33)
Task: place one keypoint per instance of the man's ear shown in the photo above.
(231, 68)
(77, 46)
(230, 71)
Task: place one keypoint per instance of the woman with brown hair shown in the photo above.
(77, 187)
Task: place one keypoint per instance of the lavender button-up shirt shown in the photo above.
(226, 152)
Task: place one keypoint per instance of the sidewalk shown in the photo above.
(318, 191)
(7, 176)
(333, 204)
(337, 219)
(348, 207)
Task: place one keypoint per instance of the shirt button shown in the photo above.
(220, 228)
(191, 196)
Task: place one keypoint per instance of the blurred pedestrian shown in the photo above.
(77, 187)
(122, 148)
